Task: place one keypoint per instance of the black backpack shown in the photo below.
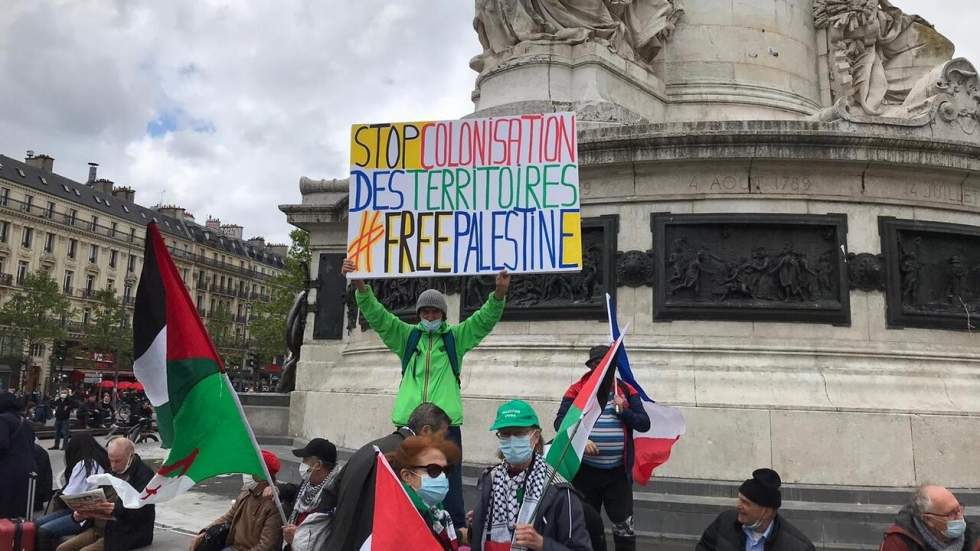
(411, 347)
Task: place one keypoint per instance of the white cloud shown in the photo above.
(259, 93)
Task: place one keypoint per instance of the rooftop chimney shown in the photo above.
(124, 193)
(213, 223)
(92, 169)
(232, 230)
(256, 241)
(41, 162)
(103, 185)
(277, 249)
(172, 211)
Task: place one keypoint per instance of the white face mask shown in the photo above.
(248, 482)
(431, 325)
(304, 471)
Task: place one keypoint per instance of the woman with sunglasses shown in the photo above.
(516, 502)
(424, 464)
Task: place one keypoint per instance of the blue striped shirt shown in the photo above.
(609, 435)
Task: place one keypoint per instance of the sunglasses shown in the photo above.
(434, 470)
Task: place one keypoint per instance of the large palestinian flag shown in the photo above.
(397, 523)
(565, 453)
(198, 412)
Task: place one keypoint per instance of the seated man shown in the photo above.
(933, 521)
(253, 521)
(129, 528)
(755, 524)
(306, 528)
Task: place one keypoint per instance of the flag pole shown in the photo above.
(255, 445)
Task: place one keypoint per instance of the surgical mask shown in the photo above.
(516, 449)
(434, 490)
(955, 528)
(755, 525)
(304, 471)
(248, 482)
(431, 325)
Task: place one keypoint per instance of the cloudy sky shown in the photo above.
(220, 106)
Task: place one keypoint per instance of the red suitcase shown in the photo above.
(17, 534)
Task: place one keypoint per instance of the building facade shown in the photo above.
(90, 236)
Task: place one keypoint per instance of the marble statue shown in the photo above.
(878, 52)
(634, 29)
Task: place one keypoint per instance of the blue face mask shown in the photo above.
(955, 528)
(431, 325)
(516, 450)
(433, 490)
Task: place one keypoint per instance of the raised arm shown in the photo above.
(393, 331)
(470, 332)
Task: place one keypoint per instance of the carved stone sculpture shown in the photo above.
(295, 326)
(635, 29)
(878, 52)
(865, 271)
(634, 268)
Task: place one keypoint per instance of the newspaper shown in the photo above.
(84, 502)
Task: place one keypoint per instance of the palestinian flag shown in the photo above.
(198, 412)
(397, 523)
(565, 453)
(651, 448)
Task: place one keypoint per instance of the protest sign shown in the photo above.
(465, 197)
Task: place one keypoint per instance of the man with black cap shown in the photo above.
(605, 478)
(319, 457)
(431, 354)
(755, 524)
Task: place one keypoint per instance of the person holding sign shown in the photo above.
(431, 355)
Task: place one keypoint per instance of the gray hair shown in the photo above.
(429, 414)
(921, 503)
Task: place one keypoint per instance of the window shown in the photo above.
(132, 234)
(89, 283)
(28, 202)
(112, 233)
(87, 316)
(131, 263)
(50, 212)
(4, 196)
(21, 272)
(49, 243)
(110, 284)
(27, 237)
(200, 302)
(2, 261)
(93, 253)
(72, 216)
(4, 227)
(67, 288)
(37, 350)
(95, 222)
(185, 274)
(112, 258)
(127, 292)
(72, 248)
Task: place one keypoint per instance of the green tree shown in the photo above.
(108, 332)
(35, 314)
(268, 327)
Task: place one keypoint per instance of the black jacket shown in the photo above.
(353, 495)
(62, 408)
(132, 528)
(16, 464)
(45, 482)
(560, 518)
(725, 534)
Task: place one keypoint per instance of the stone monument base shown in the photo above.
(601, 87)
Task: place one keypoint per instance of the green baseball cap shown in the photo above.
(515, 413)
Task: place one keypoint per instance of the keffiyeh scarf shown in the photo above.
(507, 495)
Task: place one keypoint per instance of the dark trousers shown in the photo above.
(454, 499)
(62, 430)
(612, 490)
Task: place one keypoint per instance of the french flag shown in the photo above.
(652, 448)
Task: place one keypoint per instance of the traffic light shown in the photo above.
(253, 360)
(60, 351)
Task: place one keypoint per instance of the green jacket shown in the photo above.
(429, 376)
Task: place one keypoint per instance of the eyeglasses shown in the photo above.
(434, 470)
(504, 435)
(952, 515)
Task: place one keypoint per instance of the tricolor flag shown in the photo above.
(651, 448)
(397, 523)
(198, 412)
(565, 453)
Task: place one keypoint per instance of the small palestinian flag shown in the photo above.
(397, 523)
(565, 453)
(198, 412)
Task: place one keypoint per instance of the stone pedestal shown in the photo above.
(600, 86)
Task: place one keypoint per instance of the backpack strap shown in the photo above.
(410, 348)
(450, 341)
